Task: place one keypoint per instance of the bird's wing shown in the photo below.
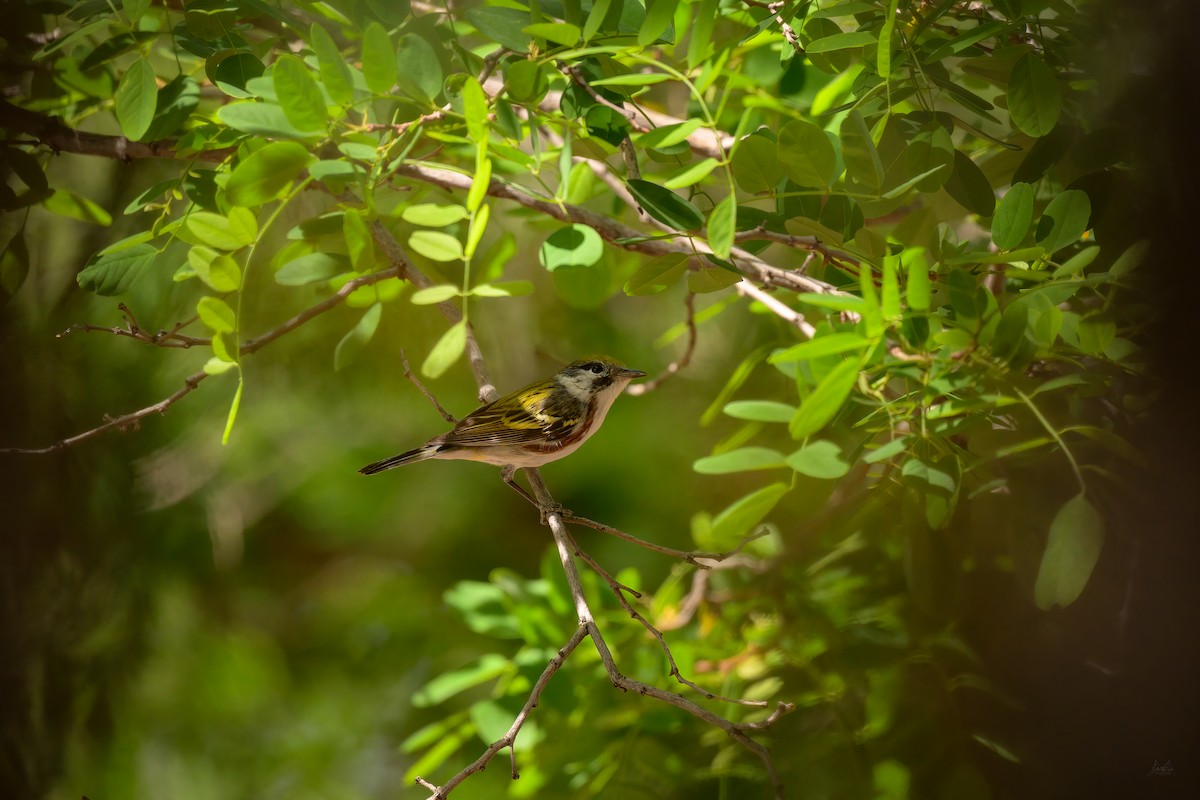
(527, 416)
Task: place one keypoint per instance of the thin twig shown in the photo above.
(510, 737)
(131, 420)
(635, 389)
(163, 338)
(696, 558)
(575, 75)
(408, 373)
(747, 289)
(619, 589)
(618, 234)
(798, 242)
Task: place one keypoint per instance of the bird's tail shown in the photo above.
(411, 457)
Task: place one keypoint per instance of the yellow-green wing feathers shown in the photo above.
(526, 416)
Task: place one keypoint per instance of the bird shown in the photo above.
(534, 425)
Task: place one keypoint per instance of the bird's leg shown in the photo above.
(554, 508)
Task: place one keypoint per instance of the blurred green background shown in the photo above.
(187, 620)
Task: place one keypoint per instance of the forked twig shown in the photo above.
(619, 589)
(689, 300)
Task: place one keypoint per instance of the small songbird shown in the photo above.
(540, 423)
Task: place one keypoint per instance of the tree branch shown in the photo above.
(131, 420)
(636, 389)
(621, 235)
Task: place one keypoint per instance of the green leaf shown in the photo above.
(595, 18)
(806, 155)
(969, 186)
(354, 341)
(1064, 221)
(918, 291)
(886, 451)
(433, 215)
(475, 109)
(335, 73)
(218, 366)
(928, 474)
(136, 98)
(756, 165)
(825, 401)
(820, 459)
(1073, 547)
(359, 245)
(234, 71)
(693, 174)
(666, 206)
(722, 223)
(701, 32)
(436, 245)
(113, 273)
(233, 411)
(739, 518)
(420, 71)
(446, 351)
(884, 57)
(826, 345)
(378, 59)
(711, 279)
(743, 460)
(479, 184)
(1034, 97)
(262, 119)
(863, 165)
(70, 205)
(443, 687)
(216, 314)
(557, 32)
(299, 95)
(634, 79)
(656, 275)
(311, 268)
(233, 232)
(503, 289)
(502, 25)
(841, 41)
(218, 270)
(266, 174)
(1130, 260)
(571, 246)
(434, 294)
(667, 135)
(760, 410)
(659, 14)
(1014, 215)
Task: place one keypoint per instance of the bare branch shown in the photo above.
(164, 338)
(408, 373)
(131, 420)
(510, 737)
(635, 389)
(51, 132)
(747, 289)
(621, 235)
(695, 558)
(575, 75)
(619, 589)
(811, 243)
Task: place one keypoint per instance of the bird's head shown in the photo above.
(596, 376)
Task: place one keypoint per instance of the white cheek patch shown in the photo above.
(577, 385)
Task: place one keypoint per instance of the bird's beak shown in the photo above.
(631, 373)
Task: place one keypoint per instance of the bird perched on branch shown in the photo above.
(540, 423)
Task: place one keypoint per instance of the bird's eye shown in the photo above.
(596, 368)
